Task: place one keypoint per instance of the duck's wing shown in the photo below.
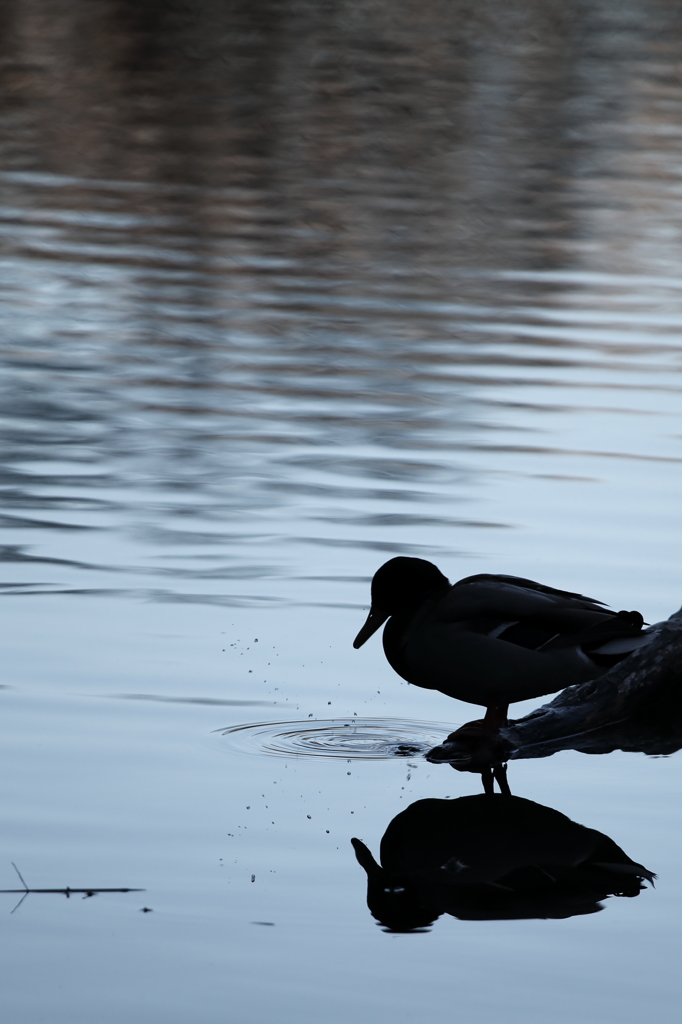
(531, 615)
(511, 598)
(513, 585)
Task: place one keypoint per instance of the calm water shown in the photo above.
(288, 288)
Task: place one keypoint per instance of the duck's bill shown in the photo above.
(365, 858)
(375, 619)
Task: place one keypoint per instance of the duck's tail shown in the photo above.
(616, 649)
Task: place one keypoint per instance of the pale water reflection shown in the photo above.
(287, 288)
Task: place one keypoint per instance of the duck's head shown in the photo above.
(395, 902)
(400, 585)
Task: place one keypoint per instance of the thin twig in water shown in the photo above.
(68, 891)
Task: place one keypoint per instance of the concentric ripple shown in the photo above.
(358, 739)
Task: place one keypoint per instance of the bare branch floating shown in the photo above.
(68, 891)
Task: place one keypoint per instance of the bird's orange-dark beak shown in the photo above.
(375, 619)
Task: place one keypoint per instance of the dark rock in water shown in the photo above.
(636, 705)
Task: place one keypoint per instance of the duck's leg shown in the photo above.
(495, 717)
(488, 780)
(500, 773)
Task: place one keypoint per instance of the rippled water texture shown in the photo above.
(288, 288)
(362, 739)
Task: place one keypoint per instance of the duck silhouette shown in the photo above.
(493, 640)
(492, 858)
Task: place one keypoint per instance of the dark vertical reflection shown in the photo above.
(399, 131)
(375, 128)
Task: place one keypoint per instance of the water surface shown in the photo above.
(287, 289)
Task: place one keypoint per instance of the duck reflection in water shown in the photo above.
(495, 857)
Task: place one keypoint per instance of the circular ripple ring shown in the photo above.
(358, 739)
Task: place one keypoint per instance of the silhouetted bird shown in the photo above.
(492, 858)
(493, 640)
